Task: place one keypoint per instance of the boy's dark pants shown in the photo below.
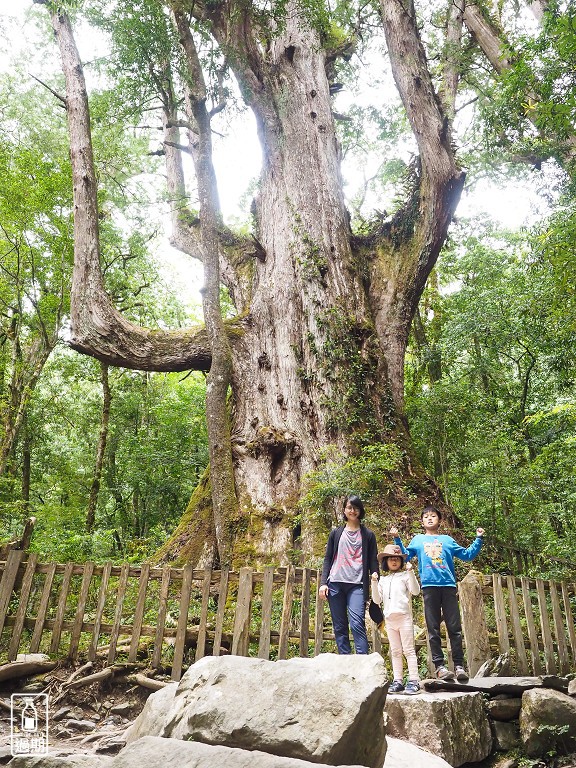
(442, 603)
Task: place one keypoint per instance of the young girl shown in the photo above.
(394, 593)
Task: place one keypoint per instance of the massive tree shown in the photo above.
(315, 354)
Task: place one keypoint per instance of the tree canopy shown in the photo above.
(329, 285)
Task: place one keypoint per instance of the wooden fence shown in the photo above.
(173, 616)
(170, 617)
(531, 620)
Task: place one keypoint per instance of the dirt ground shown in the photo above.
(81, 720)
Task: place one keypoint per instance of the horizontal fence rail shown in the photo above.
(169, 617)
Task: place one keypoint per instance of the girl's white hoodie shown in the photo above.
(394, 592)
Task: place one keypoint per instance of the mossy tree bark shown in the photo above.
(316, 355)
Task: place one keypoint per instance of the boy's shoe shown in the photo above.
(461, 674)
(412, 687)
(395, 686)
(443, 673)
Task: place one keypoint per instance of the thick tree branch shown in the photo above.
(441, 179)
(488, 36)
(412, 241)
(492, 41)
(451, 56)
(98, 329)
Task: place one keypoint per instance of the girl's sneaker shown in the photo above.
(412, 687)
(395, 686)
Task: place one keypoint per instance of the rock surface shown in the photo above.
(327, 709)
(154, 752)
(453, 726)
(401, 754)
(506, 735)
(69, 761)
(504, 709)
(152, 719)
(544, 712)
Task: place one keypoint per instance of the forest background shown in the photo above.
(107, 458)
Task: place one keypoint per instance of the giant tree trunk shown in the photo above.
(318, 351)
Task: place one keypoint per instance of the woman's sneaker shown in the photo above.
(461, 674)
(395, 686)
(412, 687)
(443, 673)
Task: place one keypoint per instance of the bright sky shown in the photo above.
(237, 152)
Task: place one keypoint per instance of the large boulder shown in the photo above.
(453, 726)
(68, 761)
(401, 754)
(154, 752)
(547, 722)
(328, 709)
(152, 719)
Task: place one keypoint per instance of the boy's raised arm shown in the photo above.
(472, 551)
(397, 540)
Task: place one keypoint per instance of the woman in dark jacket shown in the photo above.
(349, 562)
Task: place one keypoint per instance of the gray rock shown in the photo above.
(122, 709)
(154, 752)
(152, 719)
(110, 746)
(453, 726)
(401, 754)
(544, 712)
(506, 735)
(324, 709)
(61, 713)
(80, 725)
(504, 709)
(68, 761)
(63, 733)
(572, 688)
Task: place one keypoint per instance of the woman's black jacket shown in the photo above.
(369, 556)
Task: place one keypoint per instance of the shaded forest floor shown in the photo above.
(82, 720)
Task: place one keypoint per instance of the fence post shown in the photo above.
(474, 621)
(241, 636)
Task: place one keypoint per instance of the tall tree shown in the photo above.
(317, 347)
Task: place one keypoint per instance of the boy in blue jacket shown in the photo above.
(436, 553)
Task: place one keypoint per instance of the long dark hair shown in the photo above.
(356, 502)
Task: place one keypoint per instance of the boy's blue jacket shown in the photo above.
(436, 553)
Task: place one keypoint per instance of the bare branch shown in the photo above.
(52, 91)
